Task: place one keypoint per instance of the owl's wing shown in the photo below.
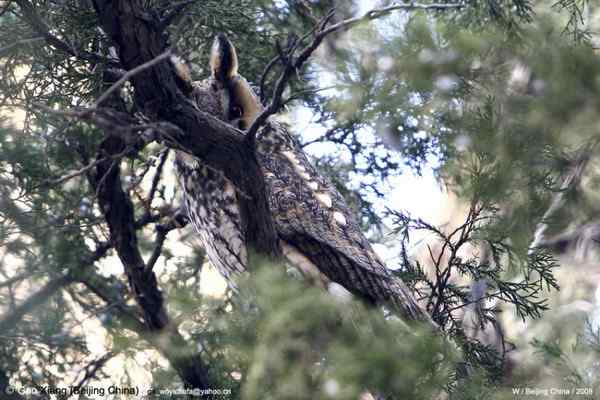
(312, 216)
(212, 207)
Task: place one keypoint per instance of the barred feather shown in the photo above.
(212, 207)
(316, 228)
(312, 216)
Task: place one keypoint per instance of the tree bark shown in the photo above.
(118, 211)
(139, 37)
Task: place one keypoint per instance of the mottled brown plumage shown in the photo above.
(317, 230)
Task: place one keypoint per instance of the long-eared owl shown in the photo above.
(317, 231)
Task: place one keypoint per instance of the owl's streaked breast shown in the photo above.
(211, 203)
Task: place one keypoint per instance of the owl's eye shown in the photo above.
(236, 112)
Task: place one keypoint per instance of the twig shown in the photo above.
(380, 12)
(42, 29)
(92, 368)
(161, 236)
(17, 278)
(114, 164)
(320, 31)
(157, 176)
(9, 321)
(119, 124)
(130, 74)
(298, 94)
(83, 170)
(263, 77)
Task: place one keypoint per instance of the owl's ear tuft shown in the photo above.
(182, 74)
(223, 59)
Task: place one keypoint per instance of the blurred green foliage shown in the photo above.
(296, 341)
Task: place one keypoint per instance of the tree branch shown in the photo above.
(43, 295)
(117, 207)
(169, 342)
(15, 279)
(84, 169)
(130, 74)
(292, 63)
(218, 144)
(161, 236)
(42, 29)
(92, 368)
(380, 12)
(118, 211)
(157, 176)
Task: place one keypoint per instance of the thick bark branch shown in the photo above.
(118, 211)
(139, 39)
(117, 207)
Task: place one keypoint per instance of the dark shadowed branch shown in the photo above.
(128, 76)
(92, 369)
(168, 341)
(161, 236)
(157, 176)
(219, 145)
(118, 210)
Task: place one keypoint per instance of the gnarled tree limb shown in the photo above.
(219, 145)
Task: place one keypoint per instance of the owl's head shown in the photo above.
(226, 94)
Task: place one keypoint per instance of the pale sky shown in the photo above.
(420, 196)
